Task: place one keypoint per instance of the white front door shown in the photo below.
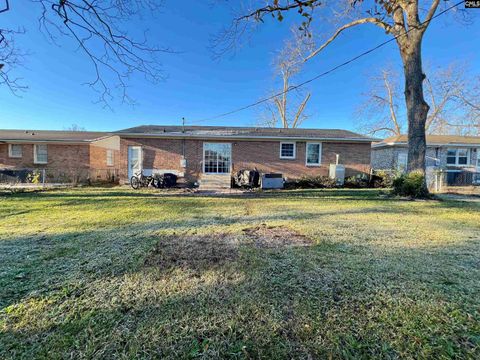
(217, 158)
(134, 160)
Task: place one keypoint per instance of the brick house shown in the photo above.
(196, 154)
(457, 156)
(66, 156)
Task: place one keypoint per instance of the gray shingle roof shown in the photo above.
(242, 132)
(432, 140)
(50, 135)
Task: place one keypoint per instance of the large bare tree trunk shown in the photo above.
(417, 107)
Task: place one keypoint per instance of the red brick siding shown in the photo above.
(59, 156)
(264, 155)
(98, 158)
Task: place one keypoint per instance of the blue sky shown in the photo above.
(198, 87)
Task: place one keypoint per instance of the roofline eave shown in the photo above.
(239, 137)
(382, 145)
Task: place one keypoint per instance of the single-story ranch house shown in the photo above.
(194, 153)
(65, 155)
(457, 156)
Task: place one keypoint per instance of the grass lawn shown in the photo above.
(113, 273)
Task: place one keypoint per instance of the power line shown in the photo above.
(294, 87)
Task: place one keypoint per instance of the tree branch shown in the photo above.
(391, 104)
(430, 14)
(371, 20)
(300, 111)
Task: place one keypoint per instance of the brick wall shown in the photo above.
(98, 158)
(66, 163)
(59, 156)
(264, 155)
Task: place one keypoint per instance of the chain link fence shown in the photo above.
(456, 181)
(50, 177)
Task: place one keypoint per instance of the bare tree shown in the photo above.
(398, 18)
(10, 55)
(97, 27)
(380, 112)
(74, 127)
(452, 108)
(288, 109)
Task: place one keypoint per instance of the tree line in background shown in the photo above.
(451, 91)
(98, 29)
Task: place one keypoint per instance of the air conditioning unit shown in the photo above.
(337, 172)
(272, 181)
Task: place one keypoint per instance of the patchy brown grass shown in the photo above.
(193, 251)
(120, 274)
(264, 236)
(207, 251)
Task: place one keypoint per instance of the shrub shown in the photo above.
(411, 184)
(358, 181)
(311, 182)
(383, 178)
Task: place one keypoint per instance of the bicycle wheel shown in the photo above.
(134, 182)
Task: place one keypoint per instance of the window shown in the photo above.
(457, 157)
(109, 157)
(462, 155)
(40, 154)
(287, 150)
(313, 154)
(15, 150)
(402, 159)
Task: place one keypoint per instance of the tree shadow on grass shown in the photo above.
(35, 264)
(285, 302)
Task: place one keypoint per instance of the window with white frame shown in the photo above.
(40, 154)
(313, 154)
(15, 150)
(109, 157)
(458, 157)
(287, 150)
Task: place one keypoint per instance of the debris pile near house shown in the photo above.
(247, 178)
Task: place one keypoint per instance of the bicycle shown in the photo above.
(139, 180)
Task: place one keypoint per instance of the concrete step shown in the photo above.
(213, 182)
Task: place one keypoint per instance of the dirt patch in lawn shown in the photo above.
(206, 251)
(264, 236)
(191, 251)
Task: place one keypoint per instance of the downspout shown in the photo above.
(183, 161)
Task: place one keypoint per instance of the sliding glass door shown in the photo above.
(217, 158)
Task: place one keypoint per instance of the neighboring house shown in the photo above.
(66, 156)
(197, 154)
(457, 156)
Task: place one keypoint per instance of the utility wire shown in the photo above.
(294, 87)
